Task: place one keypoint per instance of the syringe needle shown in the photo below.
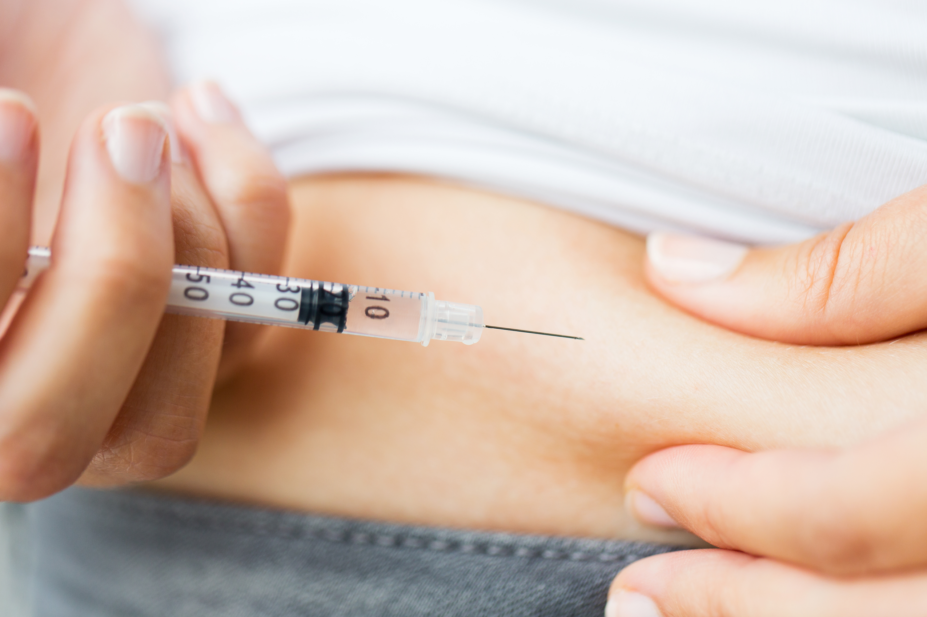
(575, 338)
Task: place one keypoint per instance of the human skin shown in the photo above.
(95, 413)
(806, 532)
(515, 433)
(96, 383)
(813, 533)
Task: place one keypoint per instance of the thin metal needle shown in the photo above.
(575, 338)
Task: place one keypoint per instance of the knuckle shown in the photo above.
(715, 520)
(729, 602)
(143, 459)
(821, 281)
(33, 466)
(20, 479)
(743, 591)
(130, 275)
(843, 277)
(147, 453)
(262, 189)
(12, 257)
(198, 239)
(836, 541)
(860, 276)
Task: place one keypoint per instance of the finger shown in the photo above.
(161, 422)
(249, 192)
(859, 283)
(716, 583)
(19, 149)
(75, 346)
(239, 175)
(847, 512)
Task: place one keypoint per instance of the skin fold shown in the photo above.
(517, 432)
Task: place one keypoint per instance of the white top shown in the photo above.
(761, 122)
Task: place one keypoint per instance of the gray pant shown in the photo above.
(132, 553)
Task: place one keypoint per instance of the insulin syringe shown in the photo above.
(312, 305)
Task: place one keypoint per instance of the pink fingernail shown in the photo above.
(648, 511)
(211, 105)
(135, 138)
(163, 111)
(631, 604)
(18, 119)
(680, 258)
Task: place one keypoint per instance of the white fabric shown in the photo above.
(757, 121)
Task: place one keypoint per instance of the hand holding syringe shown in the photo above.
(95, 386)
(313, 305)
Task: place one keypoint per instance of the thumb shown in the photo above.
(860, 283)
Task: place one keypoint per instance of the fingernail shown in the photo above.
(680, 258)
(163, 111)
(631, 604)
(17, 124)
(648, 511)
(135, 140)
(211, 105)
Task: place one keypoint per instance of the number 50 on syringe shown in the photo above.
(312, 305)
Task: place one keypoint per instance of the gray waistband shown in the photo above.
(133, 553)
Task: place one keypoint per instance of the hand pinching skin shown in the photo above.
(804, 533)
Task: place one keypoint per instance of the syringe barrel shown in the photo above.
(327, 307)
(411, 316)
(315, 305)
